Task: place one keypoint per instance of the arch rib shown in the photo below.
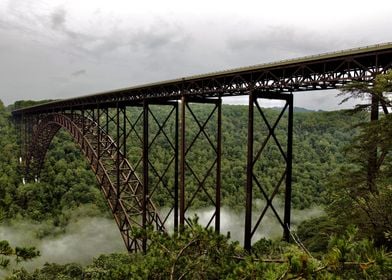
(124, 199)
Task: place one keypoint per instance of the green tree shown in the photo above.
(18, 254)
(363, 190)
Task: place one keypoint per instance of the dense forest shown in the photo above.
(66, 180)
(351, 240)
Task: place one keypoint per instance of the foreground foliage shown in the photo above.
(17, 254)
(200, 253)
(363, 193)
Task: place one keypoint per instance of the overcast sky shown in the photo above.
(51, 49)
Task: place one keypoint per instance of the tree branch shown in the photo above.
(179, 255)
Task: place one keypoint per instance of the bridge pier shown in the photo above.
(186, 170)
(253, 179)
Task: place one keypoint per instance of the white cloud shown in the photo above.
(122, 43)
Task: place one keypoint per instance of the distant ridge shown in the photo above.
(296, 109)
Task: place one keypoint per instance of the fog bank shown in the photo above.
(83, 239)
(89, 237)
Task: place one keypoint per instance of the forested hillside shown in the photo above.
(66, 180)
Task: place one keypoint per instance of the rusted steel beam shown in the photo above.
(176, 170)
(218, 183)
(182, 164)
(289, 169)
(249, 177)
(145, 171)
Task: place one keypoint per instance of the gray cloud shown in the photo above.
(283, 41)
(42, 44)
(116, 42)
(79, 73)
(58, 18)
(160, 35)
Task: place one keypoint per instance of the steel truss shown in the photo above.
(119, 182)
(253, 179)
(163, 179)
(102, 134)
(320, 72)
(203, 185)
(118, 132)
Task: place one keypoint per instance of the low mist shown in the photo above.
(234, 221)
(83, 239)
(88, 237)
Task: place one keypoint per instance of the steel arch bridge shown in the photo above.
(103, 127)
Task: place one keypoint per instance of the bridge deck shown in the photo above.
(323, 71)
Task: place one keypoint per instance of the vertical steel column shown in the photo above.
(98, 135)
(83, 124)
(27, 142)
(145, 170)
(182, 164)
(218, 167)
(29, 158)
(18, 122)
(25, 145)
(107, 121)
(125, 132)
(118, 172)
(176, 171)
(23, 149)
(289, 164)
(372, 160)
(249, 179)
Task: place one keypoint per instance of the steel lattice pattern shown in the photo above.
(101, 125)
